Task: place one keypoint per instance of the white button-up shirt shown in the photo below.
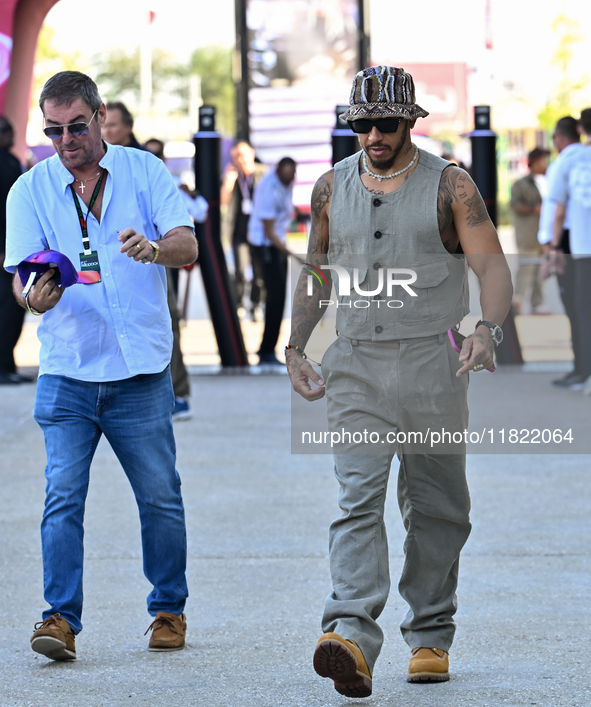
(272, 201)
(571, 185)
(119, 327)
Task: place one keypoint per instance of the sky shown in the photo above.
(428, 30)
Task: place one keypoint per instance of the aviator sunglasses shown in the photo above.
(384, 125)
(54, 132)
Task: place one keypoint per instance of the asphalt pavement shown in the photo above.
(258, 521)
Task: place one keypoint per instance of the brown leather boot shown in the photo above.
(428, 665)
(341, 660)
(168, 632)
(54, 639)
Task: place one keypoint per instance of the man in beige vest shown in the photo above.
(392, 224)
(526, 205)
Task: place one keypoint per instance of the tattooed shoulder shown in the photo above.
(467, 194)
(445, 197)
(457, 186)
(322, 192)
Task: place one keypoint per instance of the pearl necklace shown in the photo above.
(379, 177)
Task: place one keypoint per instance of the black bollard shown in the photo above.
(484, 173)
(484, 159)
(344, 140)
(211, 254)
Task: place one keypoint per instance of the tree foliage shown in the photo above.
(214, 67)
(117, 74)
(565, 99)
(49, 61)
(118, 77)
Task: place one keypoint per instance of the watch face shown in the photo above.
(497, 334)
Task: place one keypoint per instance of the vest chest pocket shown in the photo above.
(434, 297)
(354, 306)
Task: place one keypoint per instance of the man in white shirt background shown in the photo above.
(267, 229)
(566, 140)
(571, 185)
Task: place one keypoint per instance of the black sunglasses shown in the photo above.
(384, 125)
(54, 132)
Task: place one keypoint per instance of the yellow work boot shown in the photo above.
(343, 662)
(428, 665)
(54, 639)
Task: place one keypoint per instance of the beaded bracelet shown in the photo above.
(302, 353)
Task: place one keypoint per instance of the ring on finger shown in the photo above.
(138, 246)
(479, 366)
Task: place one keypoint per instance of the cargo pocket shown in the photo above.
(429, 304)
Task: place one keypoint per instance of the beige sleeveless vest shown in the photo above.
(396, 280)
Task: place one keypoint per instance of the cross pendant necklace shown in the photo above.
(83, 182)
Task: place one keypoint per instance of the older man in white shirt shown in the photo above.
(116, 214)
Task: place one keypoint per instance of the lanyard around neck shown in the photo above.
(84, 219)
(245, 183)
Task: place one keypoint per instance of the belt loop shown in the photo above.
(440, 339)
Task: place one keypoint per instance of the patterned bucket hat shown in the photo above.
(383, 92)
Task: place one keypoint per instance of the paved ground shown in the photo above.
(258, 573)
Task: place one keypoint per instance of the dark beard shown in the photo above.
(387, 164)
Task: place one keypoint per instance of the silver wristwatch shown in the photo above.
(495, 331)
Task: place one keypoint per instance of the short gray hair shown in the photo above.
(67, 86)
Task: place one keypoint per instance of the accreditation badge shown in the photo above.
(90, 262)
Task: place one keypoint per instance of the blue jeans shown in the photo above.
(135, 416)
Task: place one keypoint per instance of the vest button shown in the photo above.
(377, 266)
(376, 202)
(379, 329)
(377, 234)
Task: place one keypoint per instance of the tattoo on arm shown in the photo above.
(467, 193)
(457, 186)
(320, 196)
(445, 198)
(307, 310)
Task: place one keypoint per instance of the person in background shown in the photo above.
(567, 140)
(11, 315)
(118, 128)
(571, 186)
(267, 229)
(197, 208)
(526, 204)
(241, 178)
